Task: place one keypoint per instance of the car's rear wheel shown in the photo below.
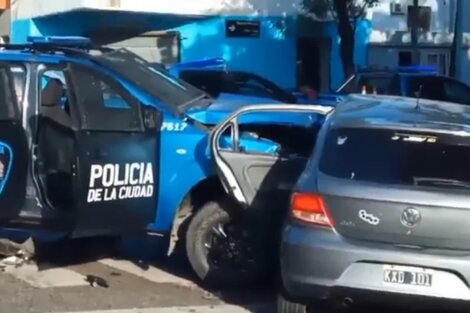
(286, 306)
(222, 249)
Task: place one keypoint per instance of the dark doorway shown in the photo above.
(405, 58)
(313, 66)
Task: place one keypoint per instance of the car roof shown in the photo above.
(393, 73)
(396, 112)
(416, 70)
(23, 55)
(219, 71)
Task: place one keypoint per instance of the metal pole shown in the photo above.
(458, 32)
(414, 34)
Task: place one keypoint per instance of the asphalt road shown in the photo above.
(57, 283)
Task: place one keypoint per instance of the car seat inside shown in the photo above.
(55, 146)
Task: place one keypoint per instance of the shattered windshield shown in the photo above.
(152, 79)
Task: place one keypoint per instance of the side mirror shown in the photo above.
(150, 118)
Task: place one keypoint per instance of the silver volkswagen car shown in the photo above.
(381, 214)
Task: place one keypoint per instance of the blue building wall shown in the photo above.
(273, 55)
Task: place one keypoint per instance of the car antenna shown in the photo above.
(418, 96)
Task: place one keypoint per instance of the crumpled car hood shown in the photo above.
(223, 106)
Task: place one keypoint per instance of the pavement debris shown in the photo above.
(12, 261)
(26, 249)
(210, 295)
(16, 254)
(95, 281)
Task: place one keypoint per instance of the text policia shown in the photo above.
(110, 182)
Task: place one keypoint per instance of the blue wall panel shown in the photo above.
(20, 29)
(273, 55)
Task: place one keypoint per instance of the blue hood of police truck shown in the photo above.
(223, 105)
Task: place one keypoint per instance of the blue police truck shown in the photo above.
(96, 141)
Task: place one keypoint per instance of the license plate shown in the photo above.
(407, 276)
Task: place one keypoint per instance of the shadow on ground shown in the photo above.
(64, 253)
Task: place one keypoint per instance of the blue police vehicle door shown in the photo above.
(14, 152)
(117, 141)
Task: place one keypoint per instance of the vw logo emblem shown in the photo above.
(410, 217)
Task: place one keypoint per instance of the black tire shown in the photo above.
(286, 306)
(203, 226)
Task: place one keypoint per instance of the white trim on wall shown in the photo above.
(23, 9)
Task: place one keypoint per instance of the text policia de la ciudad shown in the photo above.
(110, 182)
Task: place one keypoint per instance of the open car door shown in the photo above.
(117, 143)
(14, 152)
(254, 179)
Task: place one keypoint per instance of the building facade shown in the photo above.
(5, 20)
(267, 40)
(269, 37)
(390, 37)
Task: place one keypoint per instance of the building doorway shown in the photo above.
(313, 63)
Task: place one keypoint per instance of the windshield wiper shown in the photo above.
(195, 100)
(188, 119)
(440, 182)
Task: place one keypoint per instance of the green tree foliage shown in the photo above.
(346, 13)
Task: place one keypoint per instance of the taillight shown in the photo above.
(311, 208)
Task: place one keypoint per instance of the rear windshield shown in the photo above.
(439, 88)
(397, 157)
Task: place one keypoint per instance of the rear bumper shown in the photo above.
(318, 264)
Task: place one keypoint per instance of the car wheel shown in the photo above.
(221, 249)
(286, 306)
